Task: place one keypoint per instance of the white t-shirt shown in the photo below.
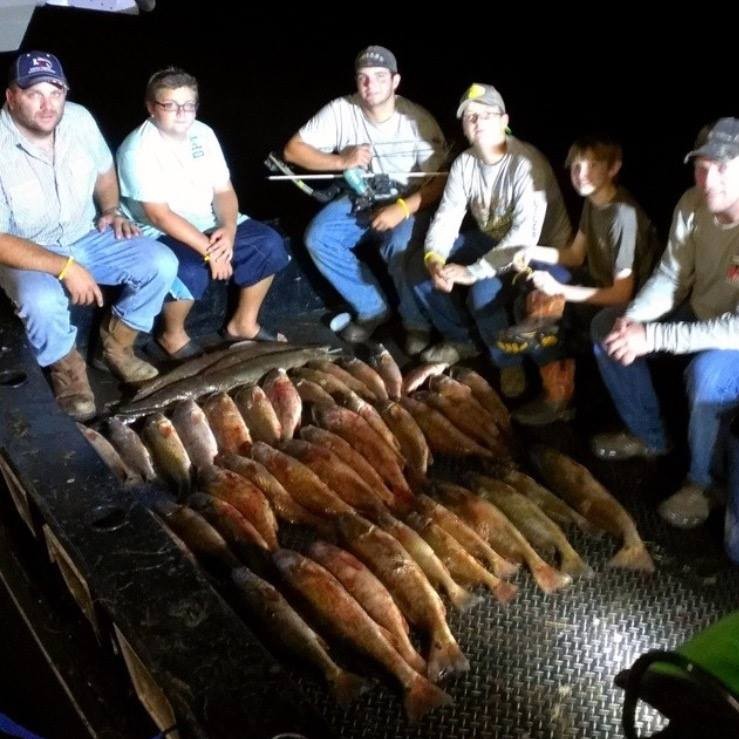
(182, 174)
(516, 201)
(409, 141)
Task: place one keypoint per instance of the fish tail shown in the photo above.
(411, 656)
(572, 564)
(422, 697)
(347, 687)
(444, 659)
(549, 579)
(504, 591)
(462, 599)
(504, 568)
(633, 556)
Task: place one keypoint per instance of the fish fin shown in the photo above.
(422, 697)
(504, 591)
(347, 687)
(462, 599)
(445, 659)
(633, 557)
(572, 564)
(549, 579)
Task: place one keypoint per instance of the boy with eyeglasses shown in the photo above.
(175, 182)
(610, 258)
(510, 190)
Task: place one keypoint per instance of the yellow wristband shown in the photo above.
(432, 256)
(405, 207)
(69, 261)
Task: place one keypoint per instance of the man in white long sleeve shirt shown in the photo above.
(511, 192)
(695, 291)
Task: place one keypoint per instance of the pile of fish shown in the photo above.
(249, 439)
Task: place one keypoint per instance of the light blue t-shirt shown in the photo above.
(184, 175)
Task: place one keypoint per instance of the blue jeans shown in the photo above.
(331, 238)
(259, 252)
(712, 385)
(484, 306)
(143, 266)
(732, 504)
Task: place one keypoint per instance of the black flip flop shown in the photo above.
(262, 335)
(189, 351)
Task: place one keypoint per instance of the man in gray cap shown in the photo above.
(510, 190)
(689, 306)
(379, 132)
(60, 232)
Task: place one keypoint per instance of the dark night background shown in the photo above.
(265, 69)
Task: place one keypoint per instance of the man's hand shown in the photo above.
(122, 227)
(544, 282)
(356, 156)
(457, 274)
(627, 341)
(388, 217)
(221, 245)
(82, 289)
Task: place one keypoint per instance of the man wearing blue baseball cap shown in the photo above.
(60, 232)
(689, 306)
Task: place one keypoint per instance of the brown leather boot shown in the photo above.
(117, 342)
(558, 387)
(71, 387)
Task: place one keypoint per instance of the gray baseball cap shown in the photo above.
(719, 141)
(478, 92)
(376, 56)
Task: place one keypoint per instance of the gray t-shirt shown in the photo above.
(409, 141)
(701, 262)
(517, 201)
(620, 237)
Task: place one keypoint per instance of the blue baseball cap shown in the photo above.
(36, 66)
(719, 141)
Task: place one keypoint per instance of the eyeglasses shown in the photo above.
(172, 107)
(474, 117)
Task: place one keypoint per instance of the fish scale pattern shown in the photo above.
(542, 667)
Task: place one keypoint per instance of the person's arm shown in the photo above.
(571, 256)
(304, 155)
(107, 197)
(23, 254)
(618, 293)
